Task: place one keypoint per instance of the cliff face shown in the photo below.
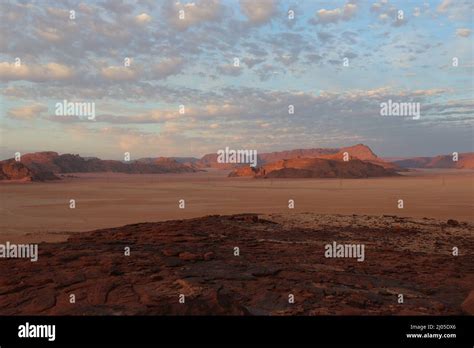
(245, 171)
(359, 151)
(210, 161)
(315, 168)
(18, 171)
(465, 161)
(43, 166)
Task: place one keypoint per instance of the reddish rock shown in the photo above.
(316, 168)
(452, 223)
(170, 252)
(283, 257)
(209, 256)
(13, 170)
(187, 256)
(359, 151)
(244, 171)
(468, 304)
(465, 161)
(40, 166)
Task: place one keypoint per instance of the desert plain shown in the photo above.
(39, 211)
(189, 255)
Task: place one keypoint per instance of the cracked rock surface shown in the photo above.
(279, 255)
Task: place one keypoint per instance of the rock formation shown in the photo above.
(40, 166)
(315, 168)
(465, 161)
(279, 255)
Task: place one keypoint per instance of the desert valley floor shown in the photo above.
(105, 200)
(190, 252)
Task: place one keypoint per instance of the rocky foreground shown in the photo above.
(279, 255)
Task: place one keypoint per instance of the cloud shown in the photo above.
(251, 62)
(57, 12)
(463, 32)
(51, 34)
(117, 6)
(143, 18)
(27, 112)
(34, 73)
(444, 6)
(388, 13)
(151, 116)
(183, 62)
(258, 12)
(338, 14)
(229, 69)
(161, 70)
(119, 73)
(456, 10)
(128, 142)
(193, 13)
(167, 67)
(156, 116)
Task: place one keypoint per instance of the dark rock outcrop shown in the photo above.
(279, 255)
(44, 166)
(17, 171)
(315, 168)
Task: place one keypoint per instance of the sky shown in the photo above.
(186, 78)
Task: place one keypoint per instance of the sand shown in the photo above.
(40, 211)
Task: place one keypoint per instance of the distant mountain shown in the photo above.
(44, 165)
(465, 161)
(17, 171)
(359, 151)
(362, 162)
(270, 157)
(210, 161)
(185, 160)
(315, 168)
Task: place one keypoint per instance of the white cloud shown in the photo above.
(167, 68)
(444, 6)
(35, 73)
(463, 32)
(389, 14)
(338, 14)
(143, 18)
(151, 116)
(456, 10)
(27, 112)
(119, 73)
(50, 34)
(193, 13)
(258, 12)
